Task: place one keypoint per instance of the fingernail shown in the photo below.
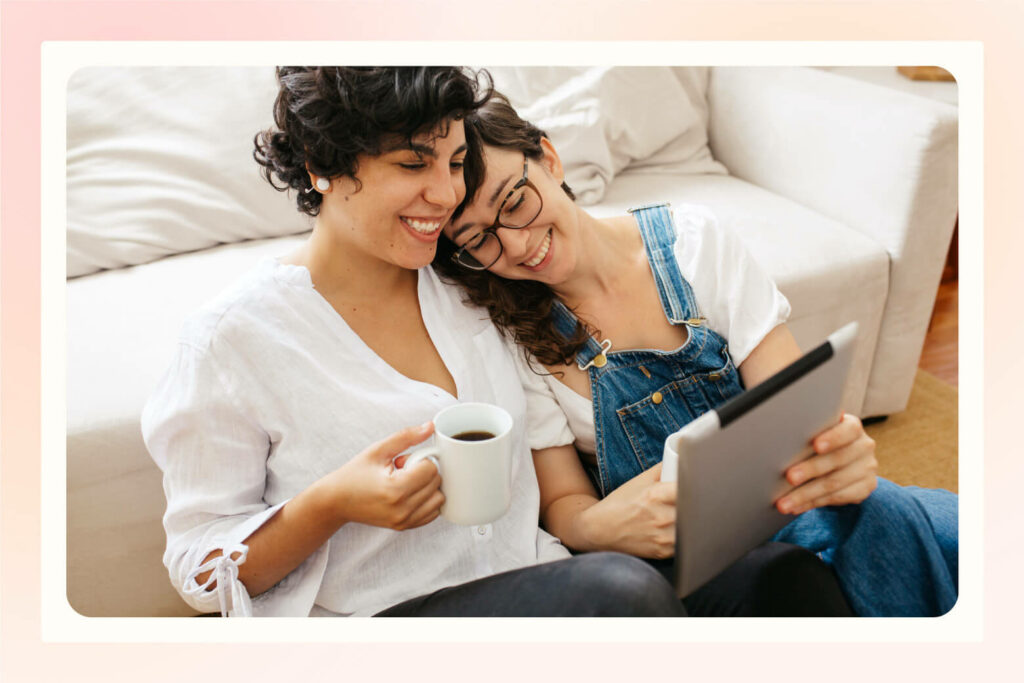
(796, 476)
(785, 506)
(823, 445)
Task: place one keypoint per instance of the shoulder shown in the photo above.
(701, 238)
(235, 309)
(695, 223)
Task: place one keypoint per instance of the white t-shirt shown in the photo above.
(271, 390)
(739, 300)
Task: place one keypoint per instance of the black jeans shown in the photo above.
(772, 580)
(775, 579)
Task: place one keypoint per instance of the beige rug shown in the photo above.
(919, 445)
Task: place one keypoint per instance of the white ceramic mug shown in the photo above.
(670, 458)
(476, 476)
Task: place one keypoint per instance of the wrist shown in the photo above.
(327, 505)
(590, 529)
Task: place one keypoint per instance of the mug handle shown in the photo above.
(430, 453)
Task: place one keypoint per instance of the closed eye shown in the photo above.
(474, 241)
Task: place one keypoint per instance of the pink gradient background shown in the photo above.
(26, 24)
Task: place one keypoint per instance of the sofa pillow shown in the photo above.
(603, 120)
(159, 162)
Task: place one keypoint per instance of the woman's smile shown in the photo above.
(425, 229)
(541, 256)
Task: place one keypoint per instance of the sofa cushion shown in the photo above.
(591, 115)
(159, 162)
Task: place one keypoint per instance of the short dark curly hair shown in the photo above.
(327, 116)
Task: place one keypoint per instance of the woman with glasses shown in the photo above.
(643, 322)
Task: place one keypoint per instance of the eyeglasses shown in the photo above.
(520, 207)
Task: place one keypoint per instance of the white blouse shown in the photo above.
(734, 293)
(269, 391)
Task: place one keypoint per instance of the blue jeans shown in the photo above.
(895, 554)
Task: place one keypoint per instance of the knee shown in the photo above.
(622, 585)
(793, 581)
(888, 499)
(910, 510)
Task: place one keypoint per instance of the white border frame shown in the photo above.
(60, 623)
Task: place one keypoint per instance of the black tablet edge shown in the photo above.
(750, 399)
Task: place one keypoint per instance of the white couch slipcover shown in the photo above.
(844, 191)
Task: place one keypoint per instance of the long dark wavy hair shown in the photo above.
(521, 309)
(326, 117)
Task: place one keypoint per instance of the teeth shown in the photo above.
(425, 227)
(544, 246)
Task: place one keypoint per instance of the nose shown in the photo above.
(441, 187)
(515, 243)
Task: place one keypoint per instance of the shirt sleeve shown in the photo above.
(213, 456)
(546, 425)
(735, 294)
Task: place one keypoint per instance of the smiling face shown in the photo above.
(546, 249)
(394, 208)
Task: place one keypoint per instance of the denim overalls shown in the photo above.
(895, 554)
(642, 396)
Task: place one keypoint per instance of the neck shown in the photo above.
(607, 253)
(339, 270)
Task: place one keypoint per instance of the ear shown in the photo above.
(318, 183)
(552, 162)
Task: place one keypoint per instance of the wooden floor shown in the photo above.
(940, 344)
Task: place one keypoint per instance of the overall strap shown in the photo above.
(659, 236)
(565, 323)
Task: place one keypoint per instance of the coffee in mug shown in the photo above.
(473, 452)
(473, 436)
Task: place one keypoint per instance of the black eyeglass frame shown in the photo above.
(493, 227)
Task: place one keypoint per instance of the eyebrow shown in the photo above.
(490, 202)
(419, 148)
(497, 190)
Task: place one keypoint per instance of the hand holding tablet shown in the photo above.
(730, 463)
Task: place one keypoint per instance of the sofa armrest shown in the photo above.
(881, 161)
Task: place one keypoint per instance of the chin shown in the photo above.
(417, 259)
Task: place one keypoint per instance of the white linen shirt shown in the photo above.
(269, 391)
(735, 294)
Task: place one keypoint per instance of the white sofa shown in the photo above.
(843, 190)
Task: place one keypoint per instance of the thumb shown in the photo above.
(386, 449)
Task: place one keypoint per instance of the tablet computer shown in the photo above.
(730, 463)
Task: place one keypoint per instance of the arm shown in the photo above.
(365, 490)
(213, 453)
(636, 518)
(842, 469)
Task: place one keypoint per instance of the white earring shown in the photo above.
(323, 184)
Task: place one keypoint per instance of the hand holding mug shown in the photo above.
(367, 489)
(473, 452)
